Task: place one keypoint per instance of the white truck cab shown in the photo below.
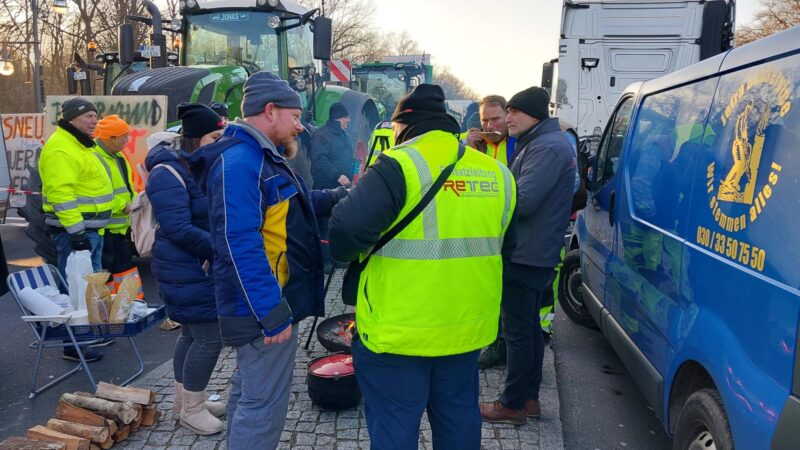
(606, 45)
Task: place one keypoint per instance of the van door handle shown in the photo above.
(611, 202)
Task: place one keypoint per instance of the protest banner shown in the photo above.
(145, 114)
(23, 138)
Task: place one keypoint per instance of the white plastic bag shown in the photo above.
(78, 265)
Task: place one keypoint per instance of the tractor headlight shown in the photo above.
(273, 3)
(191, 4)
(274, 22)
(261, 3)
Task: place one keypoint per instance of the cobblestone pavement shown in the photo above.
(309, 427)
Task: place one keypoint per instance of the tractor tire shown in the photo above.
(570, 297)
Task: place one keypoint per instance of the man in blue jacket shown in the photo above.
(268, 269)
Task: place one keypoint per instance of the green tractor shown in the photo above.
(223, 43)
(386, 82)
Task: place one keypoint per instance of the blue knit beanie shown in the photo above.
(264, 87)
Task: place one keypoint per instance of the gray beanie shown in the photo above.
(75, 107)
(264, 87)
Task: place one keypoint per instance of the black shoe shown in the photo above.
(493, 355)
(88, 354)
(102, 342)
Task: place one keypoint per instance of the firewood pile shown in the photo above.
(84, 421)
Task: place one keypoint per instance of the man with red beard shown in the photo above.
(268, 267)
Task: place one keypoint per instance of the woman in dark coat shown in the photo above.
(182, 255)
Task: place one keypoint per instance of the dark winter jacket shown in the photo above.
(268, 266)
(331, 155)
(543, 164)
(183, 241)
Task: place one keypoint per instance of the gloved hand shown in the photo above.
(338, 193)
(79, 241)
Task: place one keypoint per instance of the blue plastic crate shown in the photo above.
(108, 330)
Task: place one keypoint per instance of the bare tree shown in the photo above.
(404, 44)
(61, 37)
(454, 88)
(773, 16)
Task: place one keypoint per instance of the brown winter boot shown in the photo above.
(496, 412)
(532, 409)
(196, 417)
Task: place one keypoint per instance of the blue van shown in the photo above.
(687, 255)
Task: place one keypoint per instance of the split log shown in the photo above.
(149, 417)
(107, 444)
(112, 426)
(126, 412)
(139, 396)
(19, 443)
(70, 442)
(71, 413)
(122, 434)
(94, 434)
(138, 422)
(93, 447)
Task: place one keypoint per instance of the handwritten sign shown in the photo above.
(145, 114)
(23, 136)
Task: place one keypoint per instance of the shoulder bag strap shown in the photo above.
(437, 185)
(173, 171)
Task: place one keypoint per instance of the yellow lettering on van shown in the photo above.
(776, 166)
(753, 214)
(773, 178)
(785, 108)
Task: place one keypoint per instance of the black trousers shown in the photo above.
(118, 253)
(524, 288)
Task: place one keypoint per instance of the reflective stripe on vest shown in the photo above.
(410, 302)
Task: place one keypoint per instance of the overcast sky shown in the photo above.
(495, 46)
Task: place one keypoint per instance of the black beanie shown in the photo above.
(337, 111)
(424, 101)
(533, 101)
(75, 107)
(219, 108)
(197, 120)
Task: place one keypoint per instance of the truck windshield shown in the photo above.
(385, 86)
(240, 38)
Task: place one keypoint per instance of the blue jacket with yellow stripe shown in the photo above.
(268, 267)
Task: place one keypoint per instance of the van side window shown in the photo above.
(611, 147)
(671, 129)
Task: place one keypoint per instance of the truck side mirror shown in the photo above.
(323, 38)
(547, 76)
(125, 39)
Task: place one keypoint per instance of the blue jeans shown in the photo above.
(259, 398)
(196, 354)
(397, 389)
(64, 248)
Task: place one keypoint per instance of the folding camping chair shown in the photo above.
(56, 331)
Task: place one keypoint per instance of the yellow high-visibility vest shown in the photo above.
(76, 189)
(122, 184)
(435, 289)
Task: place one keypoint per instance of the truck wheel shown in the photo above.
(703, 424)
(570, 296)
